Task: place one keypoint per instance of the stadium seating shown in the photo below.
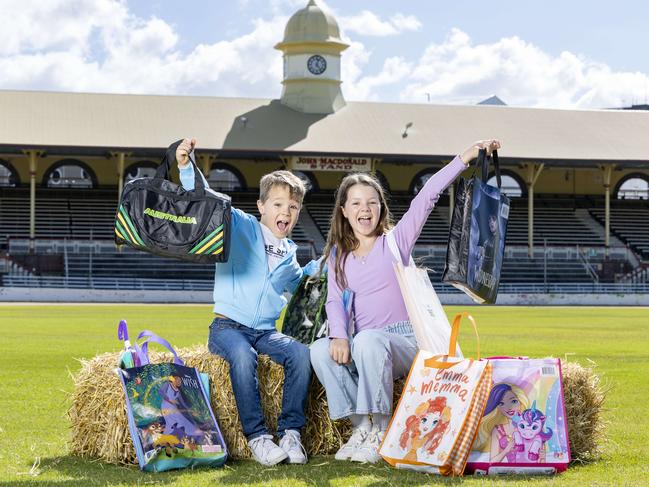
(85, 220)
(630, 224)
(82, 218)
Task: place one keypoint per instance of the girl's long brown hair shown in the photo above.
(341, 235)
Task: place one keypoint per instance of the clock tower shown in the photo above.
(312, 48)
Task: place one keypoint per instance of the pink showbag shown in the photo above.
(524, 427)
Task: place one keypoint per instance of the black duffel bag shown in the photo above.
(161, 217)
(476, 242)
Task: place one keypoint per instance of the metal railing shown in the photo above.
(108, 283)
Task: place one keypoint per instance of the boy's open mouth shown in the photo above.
(282, 225)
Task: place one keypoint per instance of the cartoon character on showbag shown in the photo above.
(496, 430)
(529, 437)
(154, 438)
(425, 429)
(176, 411)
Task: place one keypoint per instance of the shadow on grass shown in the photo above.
(320, 471)
(74, 470)
(325, 471)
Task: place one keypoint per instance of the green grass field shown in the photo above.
(40, 345)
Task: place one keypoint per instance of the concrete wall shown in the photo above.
(16, 294)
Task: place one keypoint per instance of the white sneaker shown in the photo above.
(292, 445)
(265, 451)
(368, 452)
(355, 441)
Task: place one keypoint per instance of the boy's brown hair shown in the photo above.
(295, 185)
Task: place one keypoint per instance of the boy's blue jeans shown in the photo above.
(239, 346)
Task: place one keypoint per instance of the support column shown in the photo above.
(533, 173)
(287, 163)
(608, 170)
(121, 157)
(120, 161)
(374, 164)
(204, 162)
(33, 156)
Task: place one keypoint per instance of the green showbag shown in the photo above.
(169, 415)
(305, 318)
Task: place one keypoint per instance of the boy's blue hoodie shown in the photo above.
(244, 289)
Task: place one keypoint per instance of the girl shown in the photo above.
(497, 428)
(358, 371)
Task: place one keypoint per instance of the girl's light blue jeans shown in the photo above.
(365, 385)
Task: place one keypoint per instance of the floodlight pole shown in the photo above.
(533, 173)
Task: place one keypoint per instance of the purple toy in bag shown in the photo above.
(524, 428)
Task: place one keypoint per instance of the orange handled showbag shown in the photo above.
(437, 417)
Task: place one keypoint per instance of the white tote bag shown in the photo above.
(429, 321)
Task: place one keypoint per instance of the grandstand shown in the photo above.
(579, 218)
(74, 246)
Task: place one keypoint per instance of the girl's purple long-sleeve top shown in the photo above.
(377, 297)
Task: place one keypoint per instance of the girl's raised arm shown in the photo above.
(408, 229)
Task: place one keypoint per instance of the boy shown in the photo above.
(248, 300)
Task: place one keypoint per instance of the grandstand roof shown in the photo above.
(95, 122)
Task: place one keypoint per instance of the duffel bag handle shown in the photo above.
(152, 337)
(169, 159)
(439, 361)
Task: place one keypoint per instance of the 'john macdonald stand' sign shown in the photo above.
(331, 163)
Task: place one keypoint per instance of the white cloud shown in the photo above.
(279, 7)
(457, 71)
(32, 26)
(99, 46)
(405, 22)
(369, 24)
(394, 70)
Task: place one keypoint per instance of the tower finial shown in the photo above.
(311, 48)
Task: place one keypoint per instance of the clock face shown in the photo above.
(316, 64)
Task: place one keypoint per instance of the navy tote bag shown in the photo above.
(476, 246)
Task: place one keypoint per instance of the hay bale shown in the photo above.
(100, 428)
(584, 396)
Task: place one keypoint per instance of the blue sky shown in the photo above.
(573, 54)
